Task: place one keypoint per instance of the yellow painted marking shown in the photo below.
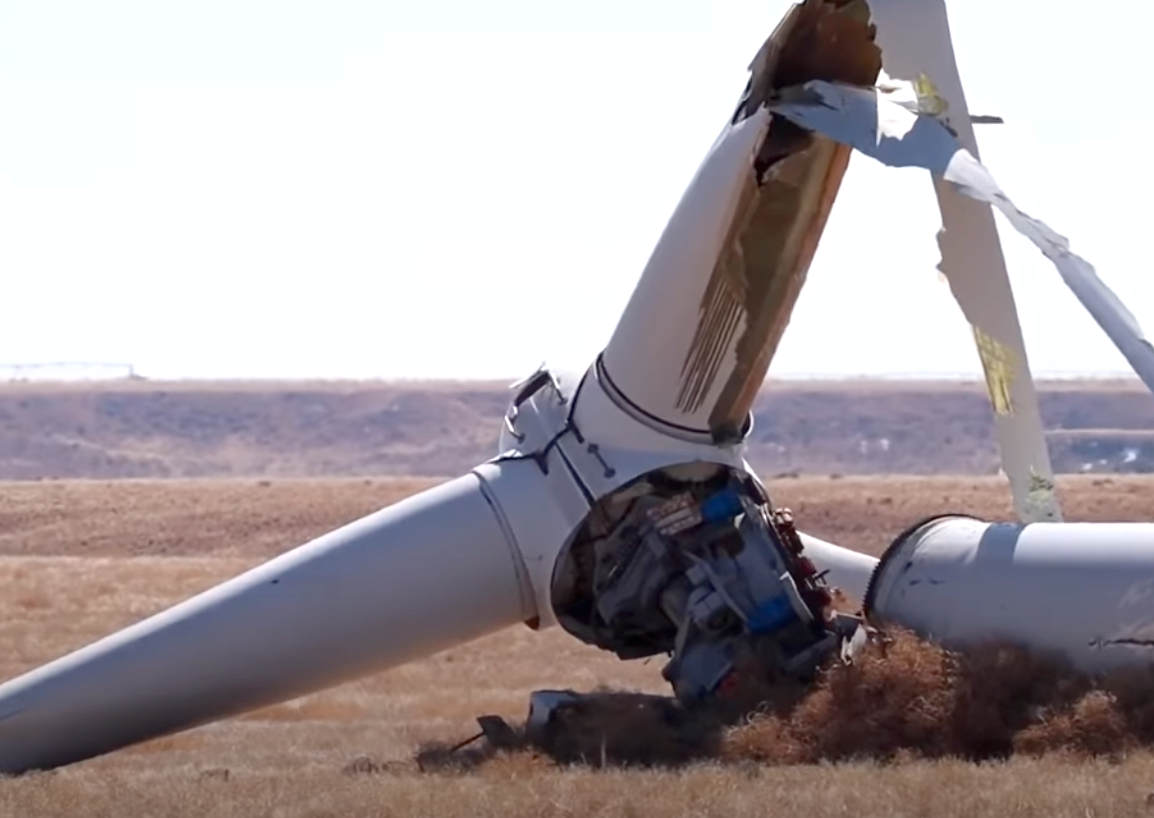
(930, 101)
(999, 365)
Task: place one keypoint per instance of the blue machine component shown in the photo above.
(718, 571)
(725, 505)
(771, 615)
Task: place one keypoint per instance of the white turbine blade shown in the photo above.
(696, 339)
(931, 55)
(845, 569)
(901, 141)
(914, 36)
(1103, 304)
(1075, 590)
(430, 572)
(881, 123)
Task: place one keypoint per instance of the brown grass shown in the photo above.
(153, 544)
(250, 518)
(258, 518)
(908, 699)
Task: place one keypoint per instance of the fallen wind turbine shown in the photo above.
(620, 505)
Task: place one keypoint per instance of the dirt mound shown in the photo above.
(903, 698)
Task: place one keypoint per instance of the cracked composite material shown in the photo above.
(782, 209)
(886, 123)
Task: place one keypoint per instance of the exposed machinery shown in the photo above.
(620, 505)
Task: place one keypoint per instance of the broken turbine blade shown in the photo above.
(873, 124)
(693, 346)
(916, 43)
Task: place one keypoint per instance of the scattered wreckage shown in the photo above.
(620, 506)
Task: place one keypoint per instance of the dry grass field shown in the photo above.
(79, 559)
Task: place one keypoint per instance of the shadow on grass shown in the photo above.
(902, 699)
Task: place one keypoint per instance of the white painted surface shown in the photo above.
(646, 355)
(1079, 589)
(915, 39)
(430, 572)
(847, 570)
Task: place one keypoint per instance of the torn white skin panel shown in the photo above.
(696, 339)
(884, 123)
(916, 42)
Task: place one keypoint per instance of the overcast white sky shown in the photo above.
(359, 188)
